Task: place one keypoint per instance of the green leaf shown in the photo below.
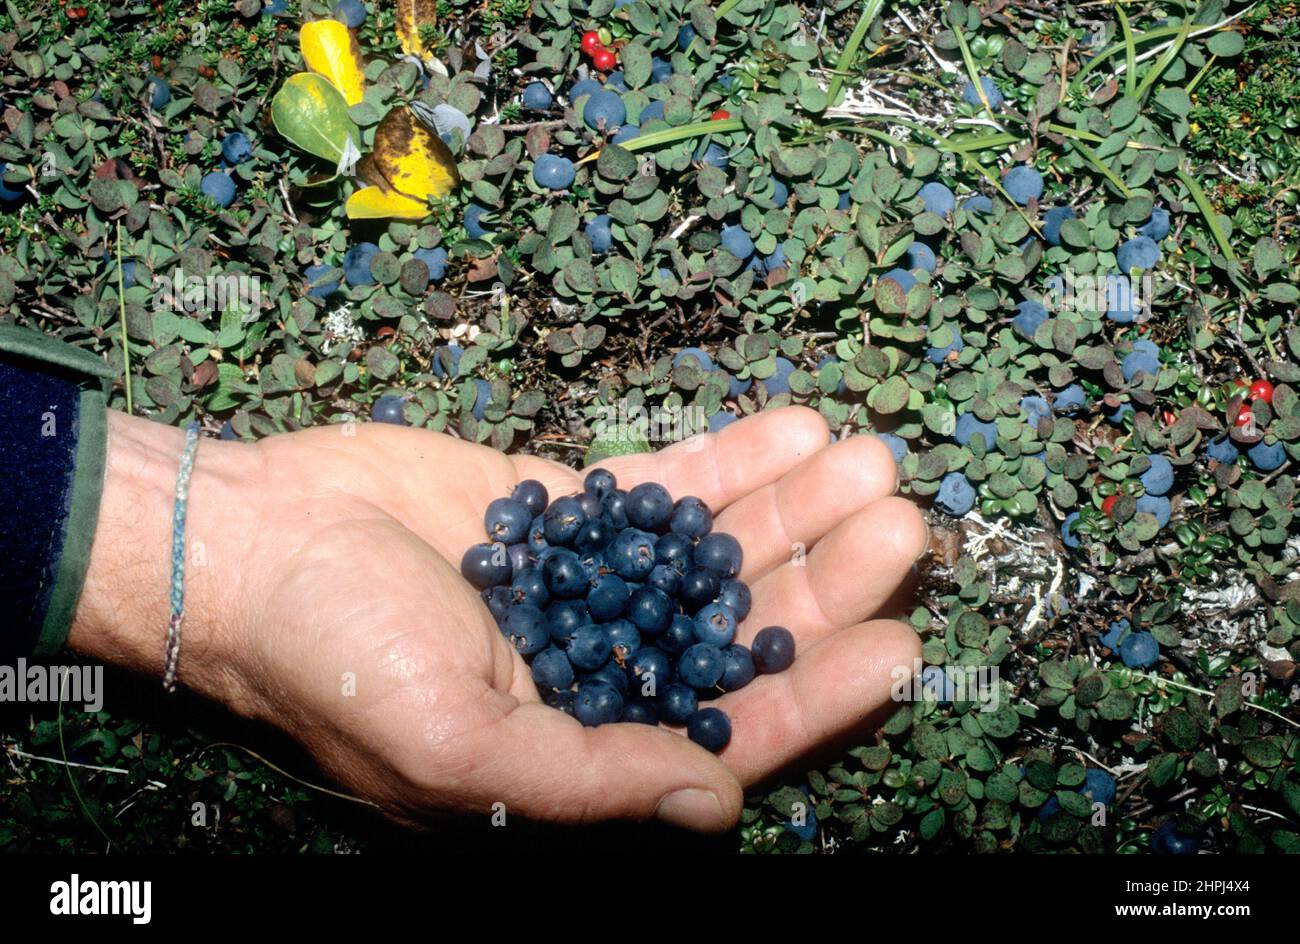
(310, 113)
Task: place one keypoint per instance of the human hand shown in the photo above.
(324, 597)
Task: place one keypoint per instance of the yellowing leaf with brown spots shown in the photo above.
(411, 15)
(408, 166)
(330, 50)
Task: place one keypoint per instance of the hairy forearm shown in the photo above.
(122, 617)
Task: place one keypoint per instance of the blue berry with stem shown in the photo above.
(597, 703)
(701, 665)
(551, 669)
(589, 647)
(715, 624)
(526, 629)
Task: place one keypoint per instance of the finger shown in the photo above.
(845, 578)
(721, 467)
(838, 686)
(543, 764)
(809, 501)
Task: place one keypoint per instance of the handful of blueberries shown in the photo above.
(624, 603)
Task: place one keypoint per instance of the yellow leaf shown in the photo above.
(375, 203)
(330, 50)
(411, 158)
(411, 15)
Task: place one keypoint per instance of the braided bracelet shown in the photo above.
(178, 556)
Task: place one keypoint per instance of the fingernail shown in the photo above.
(691, 808)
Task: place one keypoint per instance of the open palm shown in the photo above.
(373, 651)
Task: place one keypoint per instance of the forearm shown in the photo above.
(122, 616)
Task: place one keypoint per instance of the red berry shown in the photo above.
(591, 42)
(1261, 390)
(1108, 505)
(1245, 417)
(720, 115)
(604, 60)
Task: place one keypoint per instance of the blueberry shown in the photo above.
(160, 92)
(1036, 410)
(956, 495)
(773, 650)
(1099, 785)
(1157, 227)
(1139, 650)
(661, 70)
(565, 617)
(776, 260)
(597, 703)
(737, 668)
(649, 506)
(614, 507)
(655, 110)
(666, 578)
(563, 520)
(921, 256)
(604, 111)
(938, 355)
(632, 554)
(710, 728)
(715, 624)
(473, 220)
(1121, 305)
(1167, 840)
(554, 172)
(521, 559)
(1222, 449)
(780, 192)
(1114, 633)
(1052, 223)
(351, 12)
(938, 199)
(560, 701)
(482, 397)
(685, 36)
(1266, 457)
(779, 382)
(616, 80)
(435, 260)
(1158, 479)
(356, 264)
(715, 155)
(737, 242)
(486, 565)
(599, 234)
(651, 670)
(639, 712)
(675, 550)
(1137, 363)
(691, 517)
(551, 669)
(699, 586)
(12, 195)
(584, 87)
(536, 96)
(499, 599)
(525, 627)
(736, 595)
(1140, 252)
(564, 574)
(720, 553)
(971, 96)
(721, 420)
(897, 445)
(1068, 537)
(608, 597)
(1117, 415)
(1029, 315)
(235, 148)
(589, 503)
(701, 665)
(677, 702)
(1070, 399)
(841, 388)
(650, 610)
(624, 639)
(227, 433)
(1022, 184)
(900, 277)
(507, 520)
(599, 482)
(977, 204)
(969, 426)
(625, 134)
(589, 647)
(218, 187)
(532, 495)
(389, 409)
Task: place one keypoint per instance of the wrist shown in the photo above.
(123, 613)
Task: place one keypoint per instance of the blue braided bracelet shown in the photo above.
(178, 555)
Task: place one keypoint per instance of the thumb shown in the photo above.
(545, 765)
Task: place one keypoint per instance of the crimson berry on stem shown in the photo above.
(720, 115)
(1245, 417)
(604, 59)
(1261, 390)
(1108, 505)
(591, 42)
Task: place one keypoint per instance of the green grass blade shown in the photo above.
(1207, 211)
(1091, 157)
(1165, 61)
(869, 12)
(1130, 53)
(673, 135)
(121, 307)
(971, 69)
